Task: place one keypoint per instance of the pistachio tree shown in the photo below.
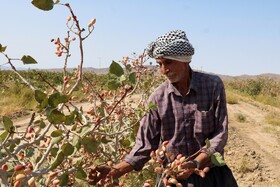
(62, 140)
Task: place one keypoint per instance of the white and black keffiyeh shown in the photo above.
(173, 43)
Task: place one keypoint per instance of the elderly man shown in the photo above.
(191, 107)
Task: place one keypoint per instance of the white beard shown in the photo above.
(174, 77)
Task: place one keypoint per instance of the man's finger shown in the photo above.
(199, 172)
(188, 164)
(97, 174)
(184, 175)
(206, 169)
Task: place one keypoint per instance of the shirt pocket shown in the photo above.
(204, 124)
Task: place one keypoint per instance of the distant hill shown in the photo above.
(224, 77)
(106, 70)
(9, 68)
(86, 69)
(265, 75)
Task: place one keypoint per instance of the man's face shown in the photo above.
(174, 70)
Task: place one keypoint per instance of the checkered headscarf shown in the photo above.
(172, 44)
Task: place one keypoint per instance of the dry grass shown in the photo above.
(232, 98)
(272, 101)
(15, 99)
(246, 166)
(240, 118)
(273, 119)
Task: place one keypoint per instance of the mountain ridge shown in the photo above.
(106, 70)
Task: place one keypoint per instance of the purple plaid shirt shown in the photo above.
(186, 121)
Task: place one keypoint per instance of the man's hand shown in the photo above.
(99, 174)
(104, 174)
(190, 168)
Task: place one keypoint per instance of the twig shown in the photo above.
(46, 154)
(79, 33)
(24, 145)
(43, 79)
(16, 72)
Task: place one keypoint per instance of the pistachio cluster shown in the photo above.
(169, 165)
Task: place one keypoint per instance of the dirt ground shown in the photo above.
(253, 149)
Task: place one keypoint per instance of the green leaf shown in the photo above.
(57, 161)
(56, 99)
(92, 147)
(7, 123)
(207, 143)
(44, 104)
(42, 181)
(113, 84)
(12, 147)
(116, 69)
(132, 77)
(122, 78)
(42, 124)
(217, 159)
(37, 142)
(56, 133)
(26, 59)
(139, 112)
(67, 149)
(56, 117)
(2, 48)
(43, 4)
(80, 174)
(77, 160)
(105, 141)
(38, 158)
(74, 127)
(89, 144)
(49, 110)
(152, 106)
(56, 139)
(40, 96)
(54, 151)
(125, 143)
(85, 130)
(4, 135)
(14, 144)
(87, 140)
(128, 67)
(64, 179)
(70, 119)
(29, 152)
(76, 141)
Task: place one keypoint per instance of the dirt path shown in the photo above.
(253, 150)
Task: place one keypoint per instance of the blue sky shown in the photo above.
(230, 37)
